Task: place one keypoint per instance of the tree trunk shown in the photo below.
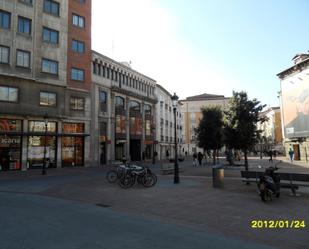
(246, 159)
(214, 157)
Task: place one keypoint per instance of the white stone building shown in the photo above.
(165, 120)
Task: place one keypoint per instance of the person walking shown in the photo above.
(270, 156)
(291, 154)
(194, 159)
(200, 157)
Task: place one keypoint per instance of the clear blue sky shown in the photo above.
(245, 41)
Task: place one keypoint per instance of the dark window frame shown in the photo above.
(8, 88)
(103, 101)
(78, 46)
(78, 21)
(51, 61)
(23, 51)
(74, 107)
(9, 53)
(78, 70)
(50, 32)
(2, 14)
(21, 25)
(49, 93)
(49, 9)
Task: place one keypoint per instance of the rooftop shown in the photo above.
(205, 96)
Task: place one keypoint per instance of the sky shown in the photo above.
(205, 46)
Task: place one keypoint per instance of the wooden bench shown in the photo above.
(168, 168)
(287, 180)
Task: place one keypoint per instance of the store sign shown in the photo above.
(9, 140)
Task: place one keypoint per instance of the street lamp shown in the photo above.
(176, 169)
(45, 140)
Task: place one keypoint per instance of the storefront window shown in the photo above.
(135, 126)
(120, 124)
(36, 145)
(10, 145)
(73, 146)
(147, 128)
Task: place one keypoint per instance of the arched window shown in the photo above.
(119, 101)
(135, 106)
(94, 65)
(147, 109)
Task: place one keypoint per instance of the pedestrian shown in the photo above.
(291, 154)
(200, 157)
(270, 156)
(143, 155)
(167, 154)
(194, 159)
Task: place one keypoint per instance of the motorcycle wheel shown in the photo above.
(149, 180)
(127, 181)
(111, 176)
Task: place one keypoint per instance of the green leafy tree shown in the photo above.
(210, 130)
(240, 124)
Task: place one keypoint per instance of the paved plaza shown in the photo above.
(78, 208)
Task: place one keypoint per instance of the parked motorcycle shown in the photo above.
(269, 184)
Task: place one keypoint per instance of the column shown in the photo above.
(111, 129)
(127, 149)
(59, 146)
(24, 148)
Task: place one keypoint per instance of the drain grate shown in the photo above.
(102, 205)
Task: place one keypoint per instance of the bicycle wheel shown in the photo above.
(111, 176)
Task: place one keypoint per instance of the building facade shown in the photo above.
(44, 47)
(294, 98)
(165, 120)
(192, 114)
(123, 112)
(271, 131)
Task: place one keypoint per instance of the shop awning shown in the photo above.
(36, 133)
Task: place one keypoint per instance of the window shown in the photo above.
(22, 58)
(9, 94)
(24, 25)
(77, 74)
(119, 102)
(103, 101)
(147, 109)
(78, 46)
(26, 1)
(78, 21)
(51, 7)
(4, 54)
(50, 35)
(134, 106)
(5, 19)
(81, 1)
(48, 99)
(49, 66)
(77, 103)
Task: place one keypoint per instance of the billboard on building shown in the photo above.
(295, 105)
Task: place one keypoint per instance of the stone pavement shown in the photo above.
(193, 208)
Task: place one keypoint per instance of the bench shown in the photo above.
(287, 180)
(169, 168)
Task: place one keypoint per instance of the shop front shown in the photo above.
(73, 142)
(10, 144)
(42, 146)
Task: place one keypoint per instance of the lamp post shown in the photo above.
(176, 169)
(45, 139)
